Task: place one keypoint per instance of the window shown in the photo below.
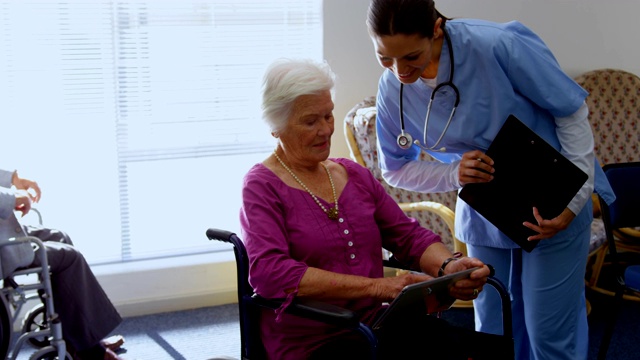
(138, 119)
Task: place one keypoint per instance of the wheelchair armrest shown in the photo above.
(313, 309)
(392, 262)
(272, 304)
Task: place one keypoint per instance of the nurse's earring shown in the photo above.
(404, 140)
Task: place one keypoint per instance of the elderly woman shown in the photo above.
(314, 228)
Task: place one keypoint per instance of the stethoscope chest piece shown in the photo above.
(404, 140)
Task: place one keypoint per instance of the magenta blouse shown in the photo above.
(285, 232)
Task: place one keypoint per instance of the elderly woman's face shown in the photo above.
(307, 136)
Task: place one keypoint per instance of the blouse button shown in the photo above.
(341, 220)
(353, 256)
(350, 243)
(346, 232)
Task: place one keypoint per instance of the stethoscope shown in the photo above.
(404, 139)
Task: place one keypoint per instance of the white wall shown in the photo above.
(348, 49)
(583, 34)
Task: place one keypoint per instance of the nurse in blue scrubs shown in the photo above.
(475, 74)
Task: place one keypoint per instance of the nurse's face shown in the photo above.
(406, 55)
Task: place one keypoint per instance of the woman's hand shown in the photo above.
(31, 187)
(549, 228)
(469, 288)
(387, 288)
(23, 202)
(475, 167)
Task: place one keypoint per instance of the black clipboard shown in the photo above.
(528, 172)
(423, 297)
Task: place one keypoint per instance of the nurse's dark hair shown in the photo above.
(407, 17)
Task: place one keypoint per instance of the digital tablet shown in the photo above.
(424, 297)
(528, 172)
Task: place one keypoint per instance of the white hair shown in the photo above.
(287, 79)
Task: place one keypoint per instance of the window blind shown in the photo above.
(154, 103)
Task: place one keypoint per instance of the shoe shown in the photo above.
(110, 355)
(112, 343)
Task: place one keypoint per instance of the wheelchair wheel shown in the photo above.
(36, 320)
(48, 353)
(5, 328)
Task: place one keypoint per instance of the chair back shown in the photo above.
(614, 114)
(250, 344)
(360, 131)
(624, 211)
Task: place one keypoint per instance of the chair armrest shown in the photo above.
(447, 215)
(32, 218)
(38, 248)
(632, 234)
(392, 262)
(335, 315)
(38, 214)
(313, 309)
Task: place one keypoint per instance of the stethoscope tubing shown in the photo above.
(404, 140)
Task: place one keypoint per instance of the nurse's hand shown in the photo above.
(475, 167)
(549, 228)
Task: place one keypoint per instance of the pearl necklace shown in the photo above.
(331, 213)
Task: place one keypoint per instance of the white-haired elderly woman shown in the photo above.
(314, 227)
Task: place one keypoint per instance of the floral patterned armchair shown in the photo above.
(433, 211)
(614, 113)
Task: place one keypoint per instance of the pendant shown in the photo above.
(332, 213)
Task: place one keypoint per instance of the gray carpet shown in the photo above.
(199, 334)
(193, 334)
(213, 332)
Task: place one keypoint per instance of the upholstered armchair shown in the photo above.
(614, 114)
(433, 211)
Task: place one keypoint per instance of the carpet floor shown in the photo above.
(213, 332)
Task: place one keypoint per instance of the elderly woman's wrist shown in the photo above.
(455, 257)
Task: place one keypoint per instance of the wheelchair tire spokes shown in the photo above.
(36, 320)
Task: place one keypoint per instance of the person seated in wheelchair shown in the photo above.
(314, 227)
(86, 313)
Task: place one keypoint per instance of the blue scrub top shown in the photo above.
(499, 69)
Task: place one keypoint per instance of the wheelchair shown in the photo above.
(250, 305)
(41, 326)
